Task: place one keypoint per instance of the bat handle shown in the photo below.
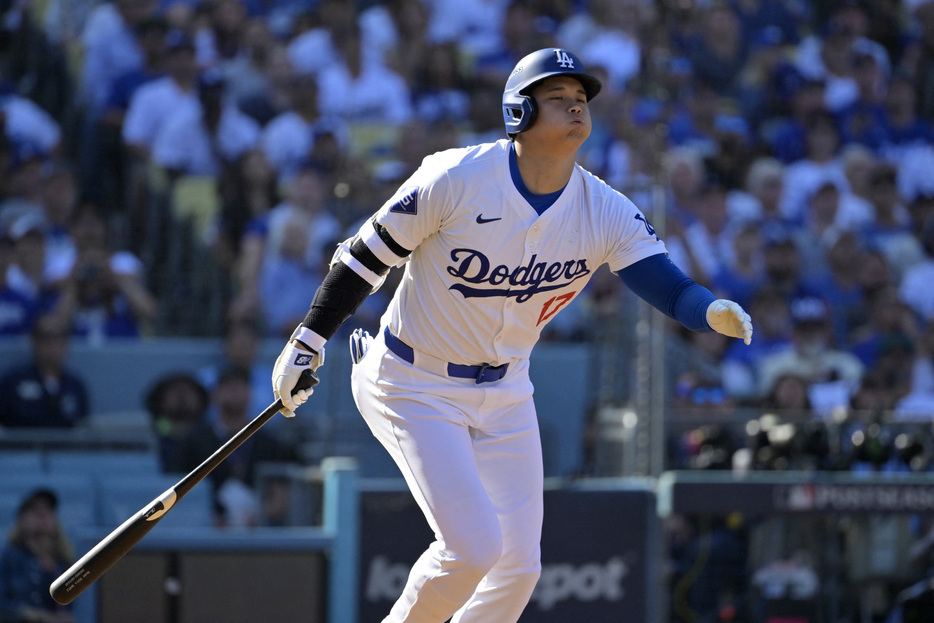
(307, 380)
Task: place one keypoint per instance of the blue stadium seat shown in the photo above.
(76, 495)
(103, 462)
(21, 462)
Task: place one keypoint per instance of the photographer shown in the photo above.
(104, 295)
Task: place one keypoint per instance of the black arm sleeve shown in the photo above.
(343, 290)
(336, 300)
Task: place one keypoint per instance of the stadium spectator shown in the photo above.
(709, 236)
(396, 32)
(915, 286)
(44, 392)
(820, 164)
(29, 273)
(904, 127)
(789, 396)
(829, 54)
(476, 27)
(693, 121)
(785, 135)
(176, 403)
(485, 121)
(247, 73)
(315, 47)
(918, 59)
(742, 272)
(440, 87)
(856, 206)
(27, 125)
(219, 34)
(110, 47)
(522, 30)
(287, 139)
(17, 311)
(287, 274)
(759, 200)
(358, 89)
(247, 192)
(740, 366)
(241, 344)
(719, 51)
(891, 229)
(103, 168)
(104, 294)
(159, 100)
(307, 193)
(59, 199)
(152, 35)
(203, 140)
(833, 375)
(863, 120)
(607, 35)
(235, 494)
(36, 552)
(820, 228)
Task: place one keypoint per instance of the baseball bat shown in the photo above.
(115, 545)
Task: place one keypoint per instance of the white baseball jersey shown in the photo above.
(488, 272)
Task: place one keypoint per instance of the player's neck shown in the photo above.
(544, 172)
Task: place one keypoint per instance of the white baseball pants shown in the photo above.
(471, 455)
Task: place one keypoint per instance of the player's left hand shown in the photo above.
(728, 318)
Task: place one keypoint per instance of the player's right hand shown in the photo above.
(292, 361)
(360, 341)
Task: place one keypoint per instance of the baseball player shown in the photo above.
(496, 239)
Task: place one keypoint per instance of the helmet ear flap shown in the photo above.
(530, 109)
(520, 117)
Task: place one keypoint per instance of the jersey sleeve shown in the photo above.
(418, 208)
(632, 237)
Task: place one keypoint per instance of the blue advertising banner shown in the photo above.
(596, 561)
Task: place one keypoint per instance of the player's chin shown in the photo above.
(578, 132)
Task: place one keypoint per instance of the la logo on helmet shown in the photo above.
(564, 59)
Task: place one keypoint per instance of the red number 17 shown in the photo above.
(553, 305)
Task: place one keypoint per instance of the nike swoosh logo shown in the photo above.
(482, 220)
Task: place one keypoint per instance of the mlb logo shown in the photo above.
(407, 203)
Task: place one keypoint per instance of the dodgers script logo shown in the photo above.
(523, 282)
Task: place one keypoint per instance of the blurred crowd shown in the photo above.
(170, 167)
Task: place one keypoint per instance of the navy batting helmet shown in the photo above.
(518, 108)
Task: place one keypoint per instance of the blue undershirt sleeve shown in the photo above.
(657, 280)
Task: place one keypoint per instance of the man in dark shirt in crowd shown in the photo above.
(44, 393)
(236, 492)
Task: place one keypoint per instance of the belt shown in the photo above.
(484, 373)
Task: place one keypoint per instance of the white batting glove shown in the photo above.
(292, 361)
(728, 318)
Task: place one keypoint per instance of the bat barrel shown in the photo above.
(92, 565)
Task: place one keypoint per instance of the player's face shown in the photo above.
(563, 111)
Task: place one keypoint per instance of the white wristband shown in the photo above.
(308, 337)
